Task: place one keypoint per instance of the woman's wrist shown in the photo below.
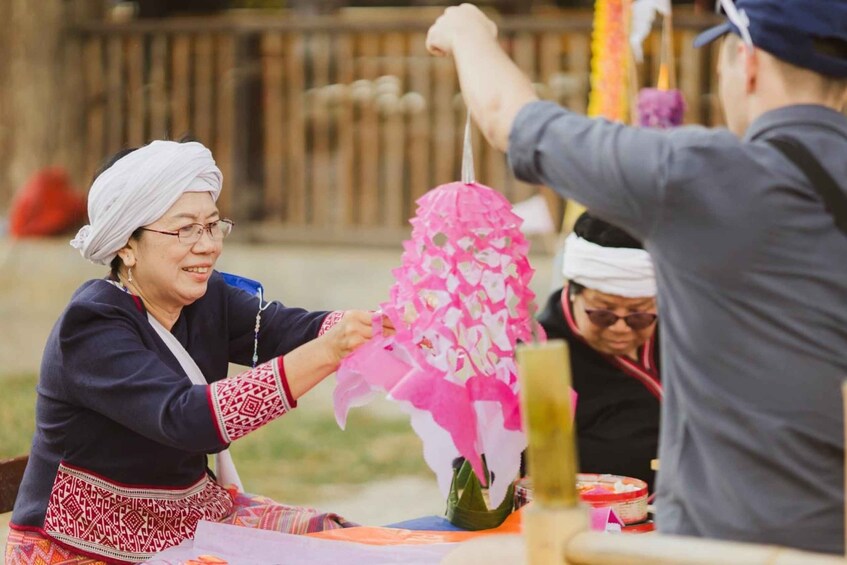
(309, 364)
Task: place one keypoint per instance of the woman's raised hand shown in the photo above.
(351, 331)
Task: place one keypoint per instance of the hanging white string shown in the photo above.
(256, 328)
(468, 176)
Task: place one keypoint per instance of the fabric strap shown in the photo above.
(833, 198)
(224, 465)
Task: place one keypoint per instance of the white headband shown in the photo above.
(138, 189)
(613, 270)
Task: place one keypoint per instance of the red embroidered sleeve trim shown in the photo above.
(100, 518)
(211, 399)
(250, 400)
(292, 402)
(331, 319)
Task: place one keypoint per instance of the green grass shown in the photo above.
(17, 418)
(298, 458)
(304, 455)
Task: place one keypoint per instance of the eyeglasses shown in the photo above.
(191, 234)
(606, 318)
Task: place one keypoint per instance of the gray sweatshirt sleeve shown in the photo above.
(620, 173)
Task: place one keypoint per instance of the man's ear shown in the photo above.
(751, 66)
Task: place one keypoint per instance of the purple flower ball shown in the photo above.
(660, 109)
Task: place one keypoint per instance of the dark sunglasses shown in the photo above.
(606, 318)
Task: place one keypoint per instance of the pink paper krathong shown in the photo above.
(460, 302)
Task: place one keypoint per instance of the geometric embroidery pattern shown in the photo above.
(249, 400)
(126, 523)
(331, 319)
(263, 513)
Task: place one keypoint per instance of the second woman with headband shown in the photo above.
(607, 314)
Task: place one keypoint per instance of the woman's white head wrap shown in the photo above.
(613, 270)
(138, 189)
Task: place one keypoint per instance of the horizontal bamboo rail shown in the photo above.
(595, 548)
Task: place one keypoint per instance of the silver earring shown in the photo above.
(129, 275)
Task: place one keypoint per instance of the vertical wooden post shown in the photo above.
(368, 142)
(393, 132)
(115, 104)
(274, 134)
(225, 130)
(136, 107)
(180, 86)
(296, 142)
(579, 65)
(555, 515)
(344, 173)
(690, 80)
(203, 88)
(96, 115)
(419, 121)
(716, 116)
(158, 106)
(320, 195)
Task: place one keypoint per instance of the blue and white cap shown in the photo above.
(811, 34)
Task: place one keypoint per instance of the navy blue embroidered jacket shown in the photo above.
(114, 402)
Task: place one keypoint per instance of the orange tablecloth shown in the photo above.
(394, 536)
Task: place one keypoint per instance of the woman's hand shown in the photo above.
(465, 19)
(351, 331)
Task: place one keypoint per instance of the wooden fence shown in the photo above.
(329, 127)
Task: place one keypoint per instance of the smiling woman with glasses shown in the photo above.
(134, 402)
(607, 314)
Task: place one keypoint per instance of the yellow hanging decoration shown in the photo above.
(610, 74)
(610, 61)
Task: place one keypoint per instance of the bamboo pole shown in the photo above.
(556, 514)
(595, 548)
